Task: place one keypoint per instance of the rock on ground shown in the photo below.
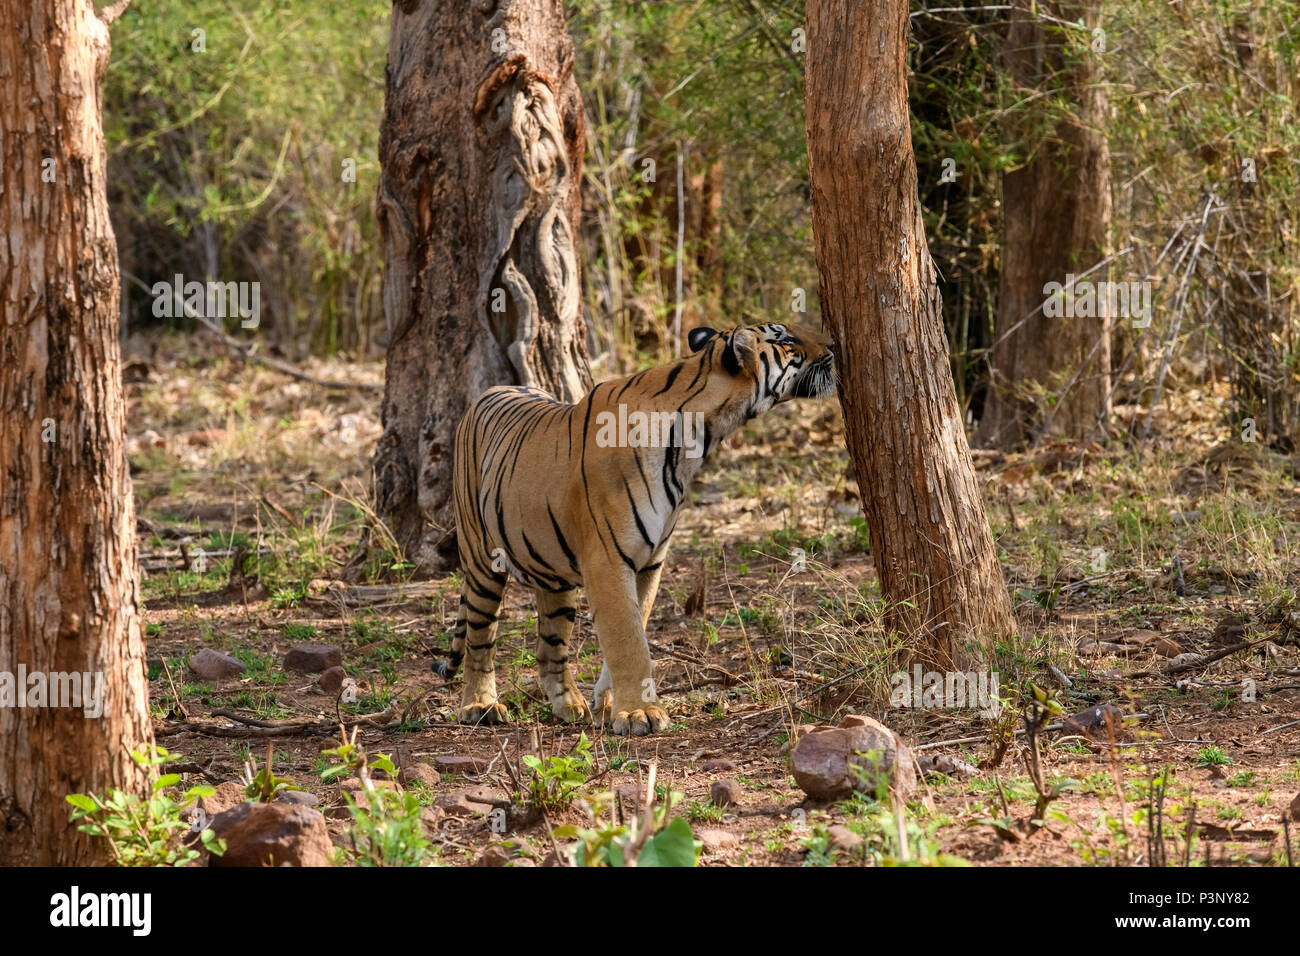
(945, 764)
(1168, 647)
(1100, 721)
(272, 834)
(493, 856)
(475, 801)
(420, 772)
(461, 764)
(718, 766)
(230, 793)
(314, 658)
(824, 759)
(844, 838)
(300, 797)
(715, 840)
(725, 793)
(331, 680)
(208, 664)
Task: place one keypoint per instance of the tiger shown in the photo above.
(558, 496)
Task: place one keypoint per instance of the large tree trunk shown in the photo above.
(68, 587)
(1056, 212)
(929, 534)
(481, 150)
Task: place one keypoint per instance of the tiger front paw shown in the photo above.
(637, 723)
(486, 712)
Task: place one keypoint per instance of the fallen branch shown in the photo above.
(1209, 659)
(688, 659)
(204, 769)
(252, 722)
(678, 688)
(812, 693)
(1279, 727)
(1084, 582)
(370, 595)
(1201, 661)
(264, 728)
(979, 739)
(983, 737)
(173, 727)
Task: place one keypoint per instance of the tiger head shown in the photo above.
(778, 361)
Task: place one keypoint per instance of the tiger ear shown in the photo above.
(742, 352)
(698, 338)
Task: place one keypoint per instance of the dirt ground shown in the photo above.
(1116, 567)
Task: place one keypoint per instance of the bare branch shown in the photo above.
(109, 14)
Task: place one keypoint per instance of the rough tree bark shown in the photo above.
(68, 587)
(481, 148)
(929, 533)
(1056, 213)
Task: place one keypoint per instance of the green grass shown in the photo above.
(298, 632)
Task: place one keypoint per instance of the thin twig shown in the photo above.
(180, 703)
(1180, 303)
(1279, 727)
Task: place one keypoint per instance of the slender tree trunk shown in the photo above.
(929, 534)
(652, 251)
(1260, 327)
(708, 186)
(479, 200)
(1056, 213)
(68, 586)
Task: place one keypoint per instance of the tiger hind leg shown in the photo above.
(556, 611)
(476, 640)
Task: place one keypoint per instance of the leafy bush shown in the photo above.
(387, 830)
(264, 784)
(555, 780)
(143, 832)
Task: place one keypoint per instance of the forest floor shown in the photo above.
(226, 456)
